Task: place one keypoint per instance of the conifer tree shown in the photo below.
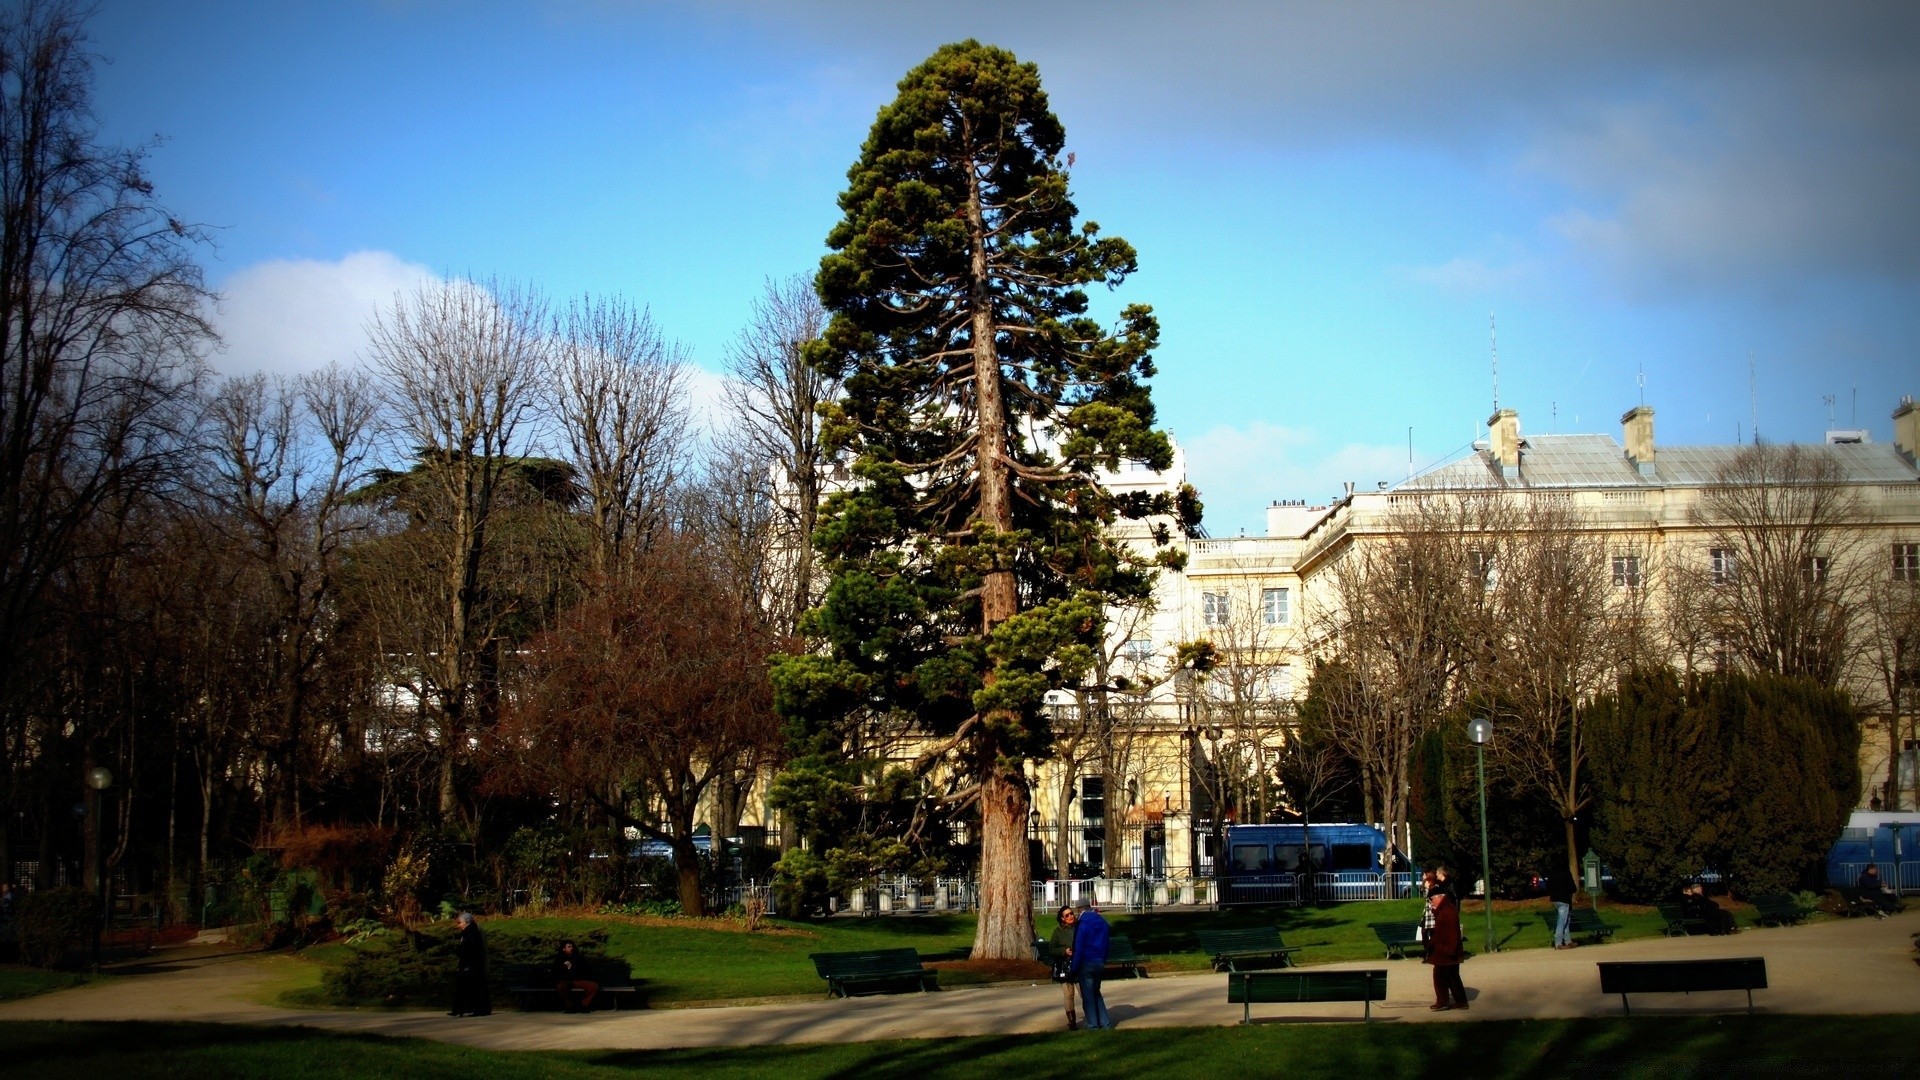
(970, 564)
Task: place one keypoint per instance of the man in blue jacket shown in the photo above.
(1090, 963)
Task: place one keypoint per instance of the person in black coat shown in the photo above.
(470, 994)
(570, 973)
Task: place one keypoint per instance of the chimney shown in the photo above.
(1637, 433)
(1503, 442)
(1906, 429)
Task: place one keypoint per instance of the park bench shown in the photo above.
(1777, 908)
(1585, 922)
(1747, 973)
(534, 984)
(848, 973)
(1244, 988)
(1398, 937)
(1121, 959)
(1857, 901)
(1228, 948)
(1679, 923)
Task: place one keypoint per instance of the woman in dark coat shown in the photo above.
(1444, 952)
(470, 994)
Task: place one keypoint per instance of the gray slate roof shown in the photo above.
(1597, 461)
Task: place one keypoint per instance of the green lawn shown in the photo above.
(689, 962)
(1616, 1048)
(17, 981)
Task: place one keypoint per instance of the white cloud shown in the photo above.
(289, 316)
(1469, 276)
(1240, 470)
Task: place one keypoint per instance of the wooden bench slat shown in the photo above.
(1246, 988)
(877, 968)
(1398, 937)
(528, 981)
(1747, 973)
(1226, 947)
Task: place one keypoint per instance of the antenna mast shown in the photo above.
(1493, 342)
(1828, 398)
(1753, 398)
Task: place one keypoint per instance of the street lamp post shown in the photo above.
(1480, 732)
(99, 779)
(1894, 827)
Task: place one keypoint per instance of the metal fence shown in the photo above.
(1906, 874)
(1326, 887)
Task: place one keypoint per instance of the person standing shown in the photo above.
(1090, 936)
(470, 994)
(1560, 890)
(1444, 951)
(1429, 884)
(1060, 944)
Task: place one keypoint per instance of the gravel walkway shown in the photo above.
(1856, 966)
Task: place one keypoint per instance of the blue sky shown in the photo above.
(1328, 199)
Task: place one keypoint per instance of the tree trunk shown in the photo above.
(1005, 930)
(686, 860)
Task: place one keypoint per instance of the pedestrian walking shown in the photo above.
(1090, 934)
(1060, 944)
(470, 994)
(1560, 890)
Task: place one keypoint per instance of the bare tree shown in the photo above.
(1888, 651)
(774, 396)
(287, 457)
(1784, 569)
(1238, 699)
(644, 692)
(461, 365)
(620, 400)
(100, 323)
(1401, 625)
(1566, 603)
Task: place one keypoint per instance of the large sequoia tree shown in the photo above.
(969, 563)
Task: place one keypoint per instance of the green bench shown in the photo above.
(1777, 908)
(1747, 973)
(877, 971)
(1857, 901)
(1229, 948)
(534, 984)
(1584, 923)
(1398, 937)
(1679, 923)
(1245, 988)
(1121, 959)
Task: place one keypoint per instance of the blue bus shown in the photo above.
(1270, 864)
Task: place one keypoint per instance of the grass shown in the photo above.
(18, 981)
(1614, 1047)
(687, 962)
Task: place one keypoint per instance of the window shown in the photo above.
(1137, 650)
(1626, 571)
(1906, 562)
(1722, 565)
(1814, 569)
(1093, 798)
(1484, 570)
(1214, 608)
(1274, 609)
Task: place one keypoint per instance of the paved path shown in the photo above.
(1858, 966)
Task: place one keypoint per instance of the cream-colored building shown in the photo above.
(1134, 794)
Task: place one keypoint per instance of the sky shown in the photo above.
(1342, 211)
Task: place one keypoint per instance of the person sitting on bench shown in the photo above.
(570, 974)
(1875, 890)
(1696, 903)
